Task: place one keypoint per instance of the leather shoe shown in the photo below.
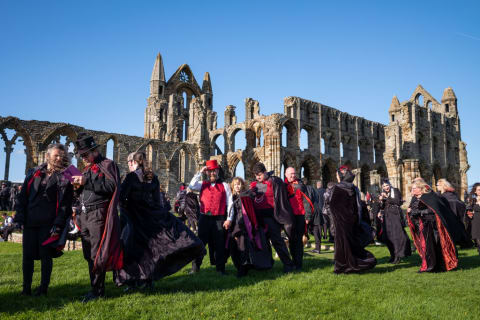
(315, 251)
(26, 292)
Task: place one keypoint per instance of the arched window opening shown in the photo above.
(260, 139)
(284, 137)
(239, 142)
(185, 131)
(429, 104)
(419, 100)
(13, 157)
(341, 149)
(303, 139)
(218, 145)
(374, 155)
(447, 108)
(110, 149)
(358, 153)
(185, 100)
(322, 146)
(393, 117)
(240, 170)
(282, 172)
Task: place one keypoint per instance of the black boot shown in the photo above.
(41, 291)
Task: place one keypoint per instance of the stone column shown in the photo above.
(8, 150)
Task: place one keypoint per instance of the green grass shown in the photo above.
(387, 292)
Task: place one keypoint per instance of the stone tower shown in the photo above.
(423, 140)
(168, 116)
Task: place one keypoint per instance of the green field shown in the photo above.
(387, 292)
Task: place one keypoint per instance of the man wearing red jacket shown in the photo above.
(301, 207)
(215, 202)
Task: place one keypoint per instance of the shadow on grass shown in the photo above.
(206, 280)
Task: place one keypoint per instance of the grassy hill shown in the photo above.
(387, 292)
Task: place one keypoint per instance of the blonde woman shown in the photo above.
(434, 229)
(248, 246)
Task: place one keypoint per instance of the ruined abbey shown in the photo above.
(422, 137)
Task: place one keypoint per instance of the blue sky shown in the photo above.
(89, 62)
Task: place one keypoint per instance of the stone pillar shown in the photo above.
(8, 151)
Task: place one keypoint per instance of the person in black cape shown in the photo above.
(391, 216)
(351, 233)
(42, 209)
(434, 228)
(273, 211)
(97, 191)
(156, 243)
(473, 212)
(248, 244)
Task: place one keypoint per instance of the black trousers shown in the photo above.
(274, 233)
(211, 232)
(317, 234)
(33, 250)
(92, 225)
(296, 241)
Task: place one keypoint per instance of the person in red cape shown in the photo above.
(302, 208)
(434, 229)
(97, 190)
(43, 206)
(273, 211)
(215, 202)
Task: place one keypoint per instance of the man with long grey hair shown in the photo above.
(43, 206)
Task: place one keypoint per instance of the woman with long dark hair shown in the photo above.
(473, 213)
(156, 243)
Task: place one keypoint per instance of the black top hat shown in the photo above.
(84, 143)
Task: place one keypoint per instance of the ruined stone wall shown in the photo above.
(171, 161)
(422, 138)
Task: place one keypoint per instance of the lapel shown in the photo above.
(35, 186)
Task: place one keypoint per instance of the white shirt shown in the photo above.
(196, 184)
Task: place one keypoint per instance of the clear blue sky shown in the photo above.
(89, 62)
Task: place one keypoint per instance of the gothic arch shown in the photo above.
(329, 170)
(311, 169)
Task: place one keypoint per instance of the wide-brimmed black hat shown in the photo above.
(84, 143)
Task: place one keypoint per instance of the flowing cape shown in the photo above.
(450, 231)
(110, 253)
(350, 236)
(282, 210)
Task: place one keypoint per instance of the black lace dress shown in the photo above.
(156, 243)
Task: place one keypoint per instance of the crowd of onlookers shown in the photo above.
(8, 194)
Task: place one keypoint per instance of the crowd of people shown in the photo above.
(127, 226)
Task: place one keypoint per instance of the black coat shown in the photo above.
(58, 188)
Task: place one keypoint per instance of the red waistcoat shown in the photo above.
(213, 199)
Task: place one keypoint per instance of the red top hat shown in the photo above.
(212, 164)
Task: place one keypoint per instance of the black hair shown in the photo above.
(259, 168)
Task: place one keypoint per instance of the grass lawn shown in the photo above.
(387, 292)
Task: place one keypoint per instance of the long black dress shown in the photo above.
(394, 235)
(249, 247)
(350, 238)
(156, 243)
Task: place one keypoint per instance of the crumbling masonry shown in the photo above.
(421, 139)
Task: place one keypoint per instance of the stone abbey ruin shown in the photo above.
(422, 137)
